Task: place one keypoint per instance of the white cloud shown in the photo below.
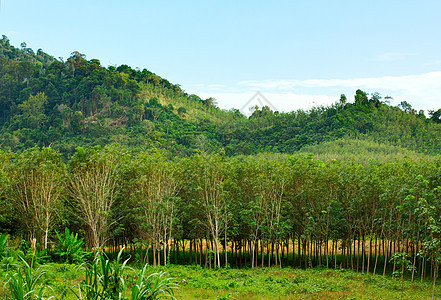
(278, 101)
(422, 91)
(393, 82)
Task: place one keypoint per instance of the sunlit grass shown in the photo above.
(196, 282)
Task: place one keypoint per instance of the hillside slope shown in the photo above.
(66, 104)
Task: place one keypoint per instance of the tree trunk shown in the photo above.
(435, 275)
(376, 254)
(293, 251)
(385, 258)
(191, 252)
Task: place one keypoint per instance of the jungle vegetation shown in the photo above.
(76, 102)
(123, 157)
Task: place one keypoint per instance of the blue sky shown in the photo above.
(296, 53)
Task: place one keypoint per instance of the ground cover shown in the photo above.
(62, 281)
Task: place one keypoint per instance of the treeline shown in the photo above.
(245, 210)
(77, 102)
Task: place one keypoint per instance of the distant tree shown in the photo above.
(210, 102)
(258, 113)
(375, 99)
(5, 40)
(75, 60)
(182, 111)
(33, 110)
(435, 115)
(343, 100)
(406, 107)
(388, 99)
(361, 98)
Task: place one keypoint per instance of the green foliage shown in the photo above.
(288, 283)
(3, 243)
(38, 186)
(153, 286)
(25, 283)
(106, 280)
(103, 280)
(360, 150)
(402, 259)
(78, 102)
(70, 247)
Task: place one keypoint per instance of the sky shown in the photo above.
(296, 54)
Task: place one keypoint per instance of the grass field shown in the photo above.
(287, 283)
(195, 282)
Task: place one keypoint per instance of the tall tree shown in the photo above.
(93, 181)
(39, 182)
(207, 176)
(155, 187)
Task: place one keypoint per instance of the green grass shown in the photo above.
(287, 283)
(196, 282)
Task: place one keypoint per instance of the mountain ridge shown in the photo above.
(77, 102)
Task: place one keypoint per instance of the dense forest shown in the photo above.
(264, 209)
(65, 104)
(124, 157)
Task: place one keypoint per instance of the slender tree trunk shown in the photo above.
(293, 251)
(369, 254)
(226, 248)
(253, 252)
(333, 254)
(376, 254)
(201, 247)
(240, 253)
(305, 246)
(206, 253)
(235, 253)
(414, 255)
(363, 253)
(46, 232)
(435, 276)
(358, 254)
(159, 256)
(385, 258)
(244, 252)
(191, 252)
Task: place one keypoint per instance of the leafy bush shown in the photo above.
(70, 247)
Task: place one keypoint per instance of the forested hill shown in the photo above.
(66, 104)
